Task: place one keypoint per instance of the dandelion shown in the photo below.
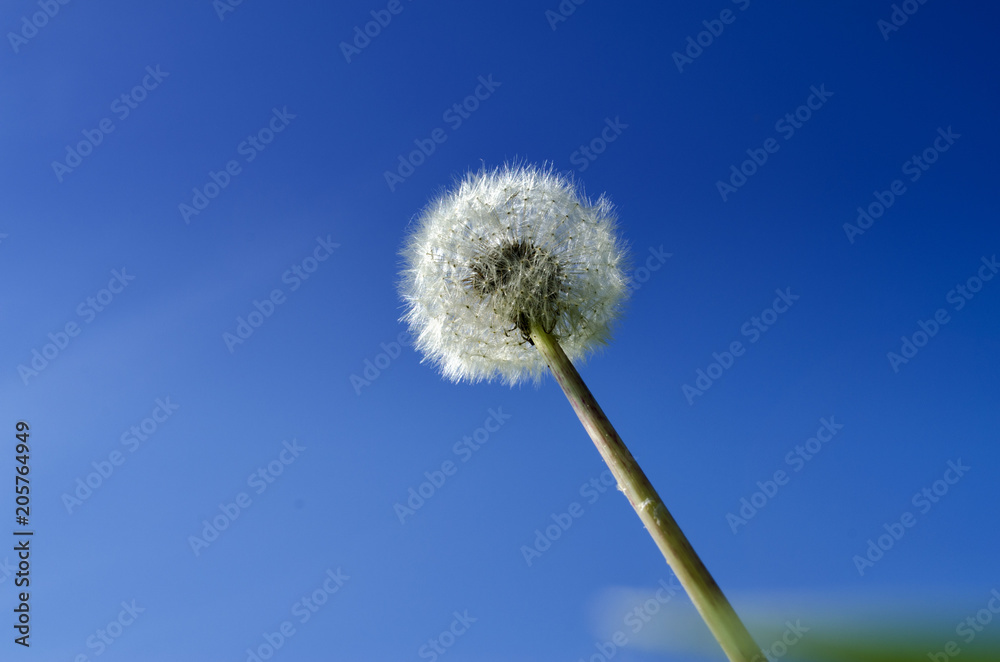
(514, 272)
(508, 248)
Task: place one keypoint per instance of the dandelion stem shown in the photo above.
(706, 595)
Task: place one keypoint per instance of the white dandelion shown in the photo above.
(509, 247)
(515, 271)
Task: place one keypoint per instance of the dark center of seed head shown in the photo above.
(526, 277)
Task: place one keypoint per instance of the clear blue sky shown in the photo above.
(177, 171)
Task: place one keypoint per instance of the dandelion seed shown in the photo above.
(507, 247)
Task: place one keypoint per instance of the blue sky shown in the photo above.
(203, 208)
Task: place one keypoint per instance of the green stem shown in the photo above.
(706, 595)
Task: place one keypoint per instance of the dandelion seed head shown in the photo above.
(505, 248)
